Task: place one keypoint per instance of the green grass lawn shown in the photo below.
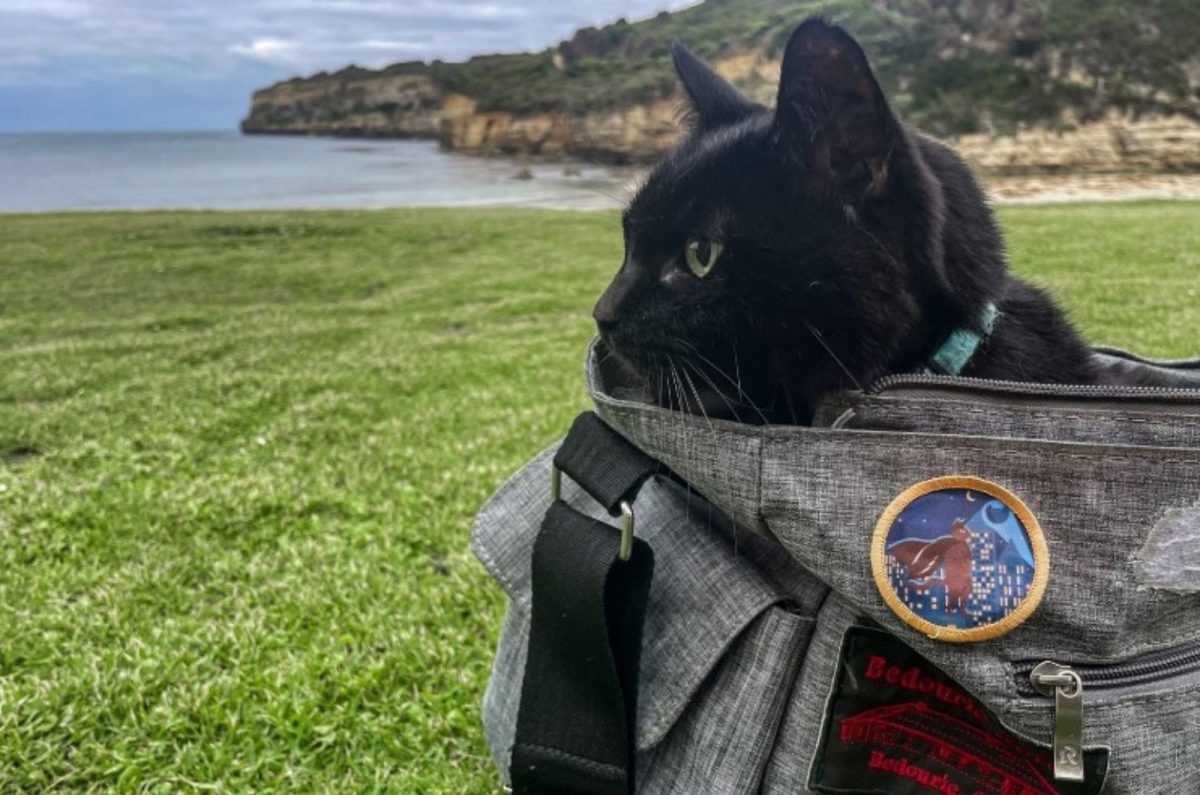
(240, 454)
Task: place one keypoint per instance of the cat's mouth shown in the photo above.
(647, 361)
(681, 379)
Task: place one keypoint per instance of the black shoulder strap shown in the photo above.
(603, 462)
(575, 726)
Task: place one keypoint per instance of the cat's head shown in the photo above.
(777, 255)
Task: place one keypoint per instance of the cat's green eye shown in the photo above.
(701, 254)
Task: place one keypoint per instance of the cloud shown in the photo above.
(390, 44)
(274, 51)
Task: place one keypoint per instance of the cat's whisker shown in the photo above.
(884, 250)
(742, 397)
(737, 366)
(835, 357)
(724, 399)
(696, 393)
(612, 197)
(685, 406)
(684, 402)
(664, 387)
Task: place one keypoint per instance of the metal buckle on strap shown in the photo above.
(627, 521)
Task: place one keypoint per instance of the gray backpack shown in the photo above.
(944, 585)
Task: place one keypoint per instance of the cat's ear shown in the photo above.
(832, 113)
(714, 101)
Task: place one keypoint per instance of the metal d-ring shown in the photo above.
(627, 520)
(626, 530)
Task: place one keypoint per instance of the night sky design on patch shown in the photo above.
(959, 558)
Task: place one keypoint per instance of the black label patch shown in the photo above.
(898, 725)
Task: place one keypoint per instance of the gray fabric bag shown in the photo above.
(764, 597)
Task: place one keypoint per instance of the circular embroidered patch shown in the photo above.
(960, 559)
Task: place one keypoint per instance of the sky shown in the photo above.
(106, 65)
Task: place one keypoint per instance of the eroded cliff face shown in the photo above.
(634, 134)
(380, 105)
(1113, 146)
(352, 103)
(417, 107)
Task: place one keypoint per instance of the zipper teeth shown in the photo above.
(1100, 391)
(1103, 677)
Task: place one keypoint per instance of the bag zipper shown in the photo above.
(1066, 686)
(1033, 389)
(1143, 670)
(1066, 683)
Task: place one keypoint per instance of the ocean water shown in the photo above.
(226, 170)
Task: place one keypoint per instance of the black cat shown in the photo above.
(775, 256)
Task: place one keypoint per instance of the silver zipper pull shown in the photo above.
(1052, 679)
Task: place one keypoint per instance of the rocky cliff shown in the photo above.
(1033, 85)
(398, 103)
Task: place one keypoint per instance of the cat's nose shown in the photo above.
(614, 303)
(606, 320)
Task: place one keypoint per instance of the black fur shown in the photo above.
(852, 245)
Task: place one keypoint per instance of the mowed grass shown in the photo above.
(240, 455)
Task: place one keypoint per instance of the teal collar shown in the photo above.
(956, 352)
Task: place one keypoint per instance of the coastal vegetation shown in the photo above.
(240, 454)
(952, 67)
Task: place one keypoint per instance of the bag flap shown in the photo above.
(702, 597)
